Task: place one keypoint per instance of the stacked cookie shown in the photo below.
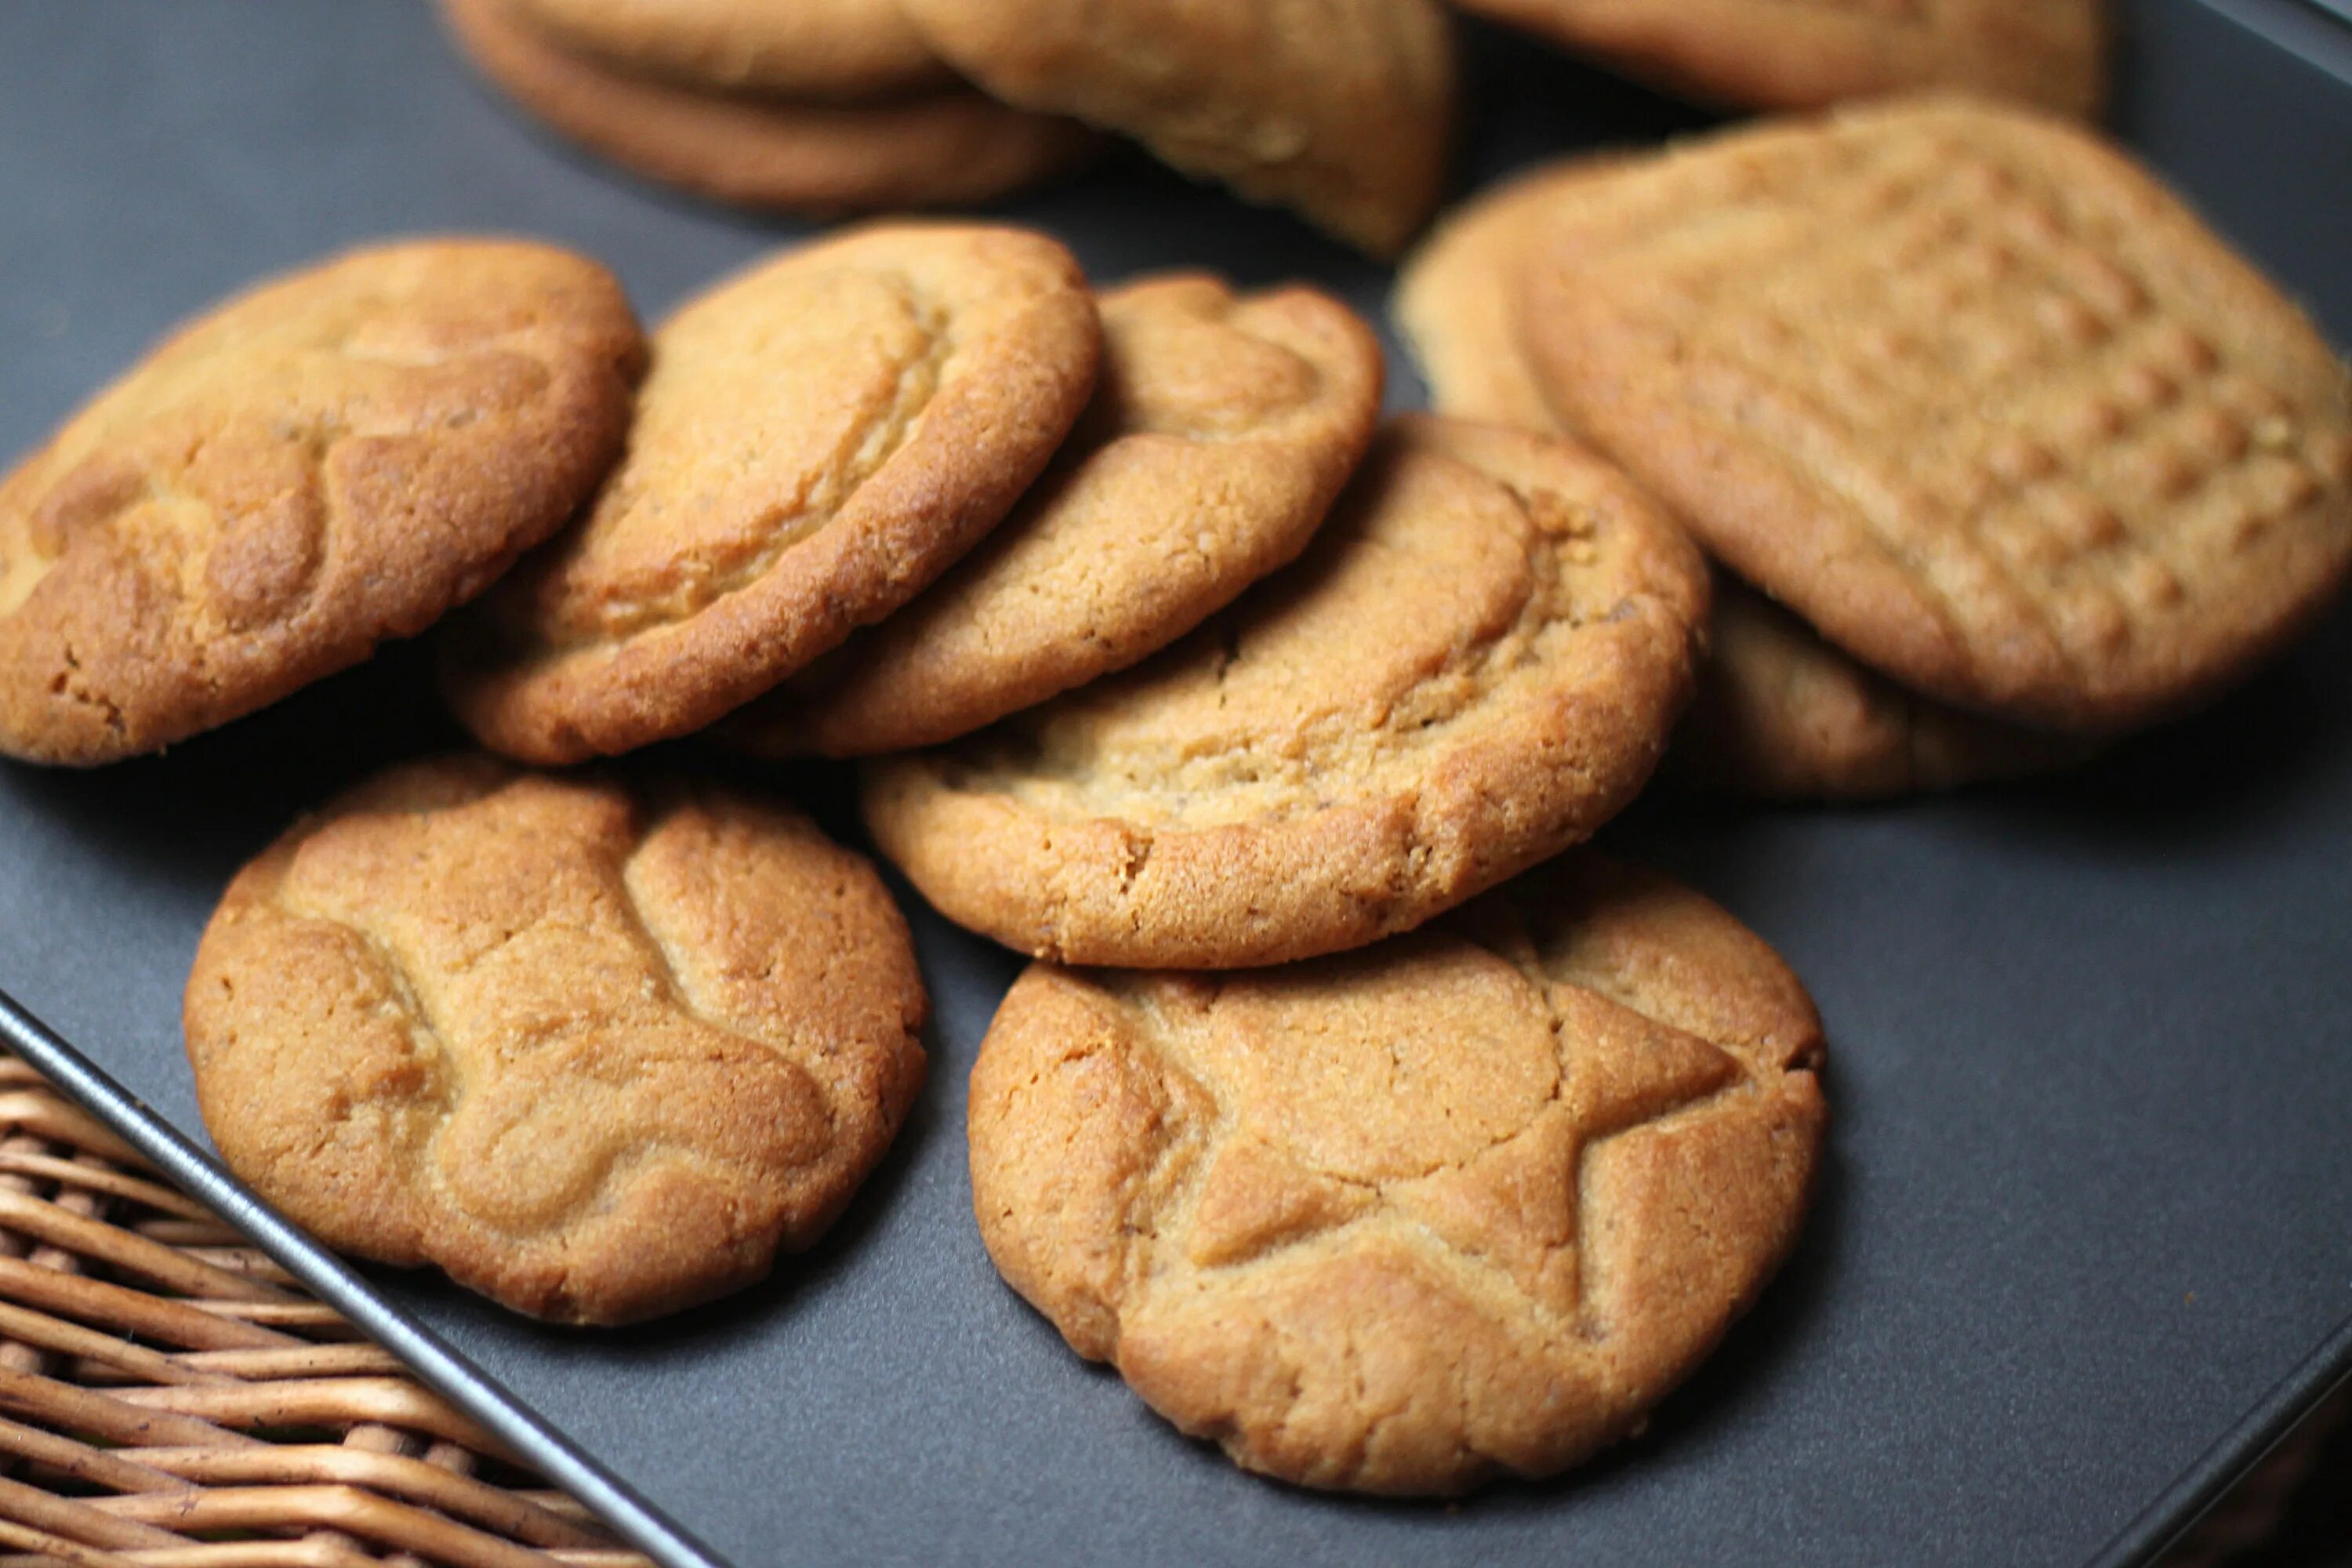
(2018, 453)
(1341, 109)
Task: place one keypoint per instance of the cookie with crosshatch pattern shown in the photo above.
(1800, 54)
(1462, 1204)
(1969, 391)
(598, 1047)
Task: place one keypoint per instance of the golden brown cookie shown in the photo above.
(331, 459)
(1340, 109)
(1801, 54)
(1473, 665)
(1464, 1204)
(595, 1051)
(949, 148)
(819, 437)
(836, 50)
(1222, 429)
(1780, 714)
(1967, 391)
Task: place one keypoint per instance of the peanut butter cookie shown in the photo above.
(837, 49)
(1464, 1204)
(326, 461)
(1473, 667)
(953, 147)
(1780, 714)
(595, 1051)
(1340, 109)
(1970, 393)
(819, 437)
(1801, 54)
(1221, 432)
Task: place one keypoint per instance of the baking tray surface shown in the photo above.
(2086, 1237)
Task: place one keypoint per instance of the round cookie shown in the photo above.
(954, 147)
(1473, 665)
(1464, 1204)
(819, 437)
(597, 1051)
(1340, 109)
(1221, 431)
(1801, 54)
(1780, 714)
(331, 459)
(841, 49)
(1970, 393)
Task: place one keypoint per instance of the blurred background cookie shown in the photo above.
(819, 437)
(328, 460)
(597, 1051)
(1222, 429)
(819, 49)
(1474, 664)
(1801, 54)
(819, 156)
(1304, 1222)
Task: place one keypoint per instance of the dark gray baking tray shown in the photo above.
(2086, 1243)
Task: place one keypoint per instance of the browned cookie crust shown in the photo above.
(596, 1051)
(1464, 1204)
(1340, 109)
(1971, 393)
(819, 437)
(1803, 54)
(1222, 429)
(1780, 714)
(1473, 665)
(953, 147)
(837, 49)
(333, 458)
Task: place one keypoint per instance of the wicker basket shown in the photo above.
(170, 1398)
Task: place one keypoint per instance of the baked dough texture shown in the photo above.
(1780, 714)
(844, 49)
(1803, 54)
(331, 459)
(1342, 109)
(598, 1050)
(952, 147)
(1460, 1205)
(1222, 429)
(1970, 393)
(819, 437)
(1474, 664)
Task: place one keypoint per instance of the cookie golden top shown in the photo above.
(1468, 1202)
(331, 459)
(1221, 430)
(1969, 392)
(807, 49)
(596, 1052)
(817, 439)
(1474, 664)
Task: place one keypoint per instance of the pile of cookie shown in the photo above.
(1340, 109)
(1369, 1124)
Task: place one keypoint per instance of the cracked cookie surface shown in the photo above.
(595, 1051)
(333, 458)
(1342, 109)
(843, 49)
(1970, 393)
(1780, 714)
(1474, 664)
(1461, 1204)
(951, 147)
(1222, 429)
(819, 437)
(1801, 54)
